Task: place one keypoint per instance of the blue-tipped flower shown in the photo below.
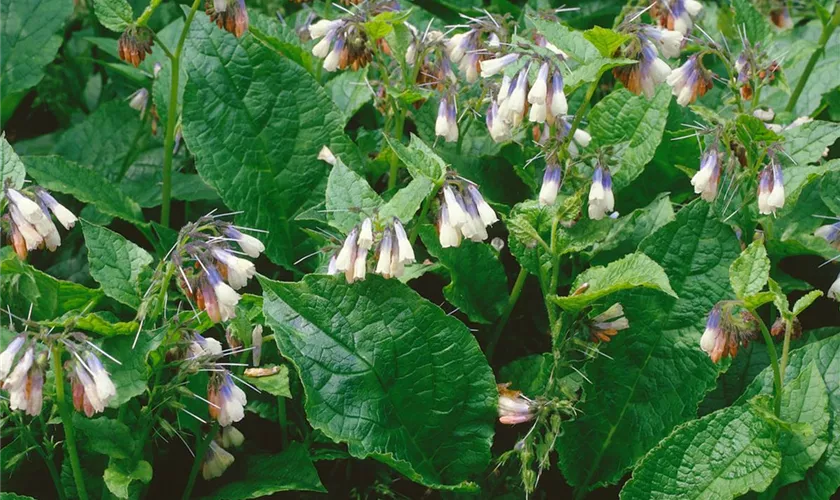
(218, 297)
(550, 184)
(705, 181)
(105, 388)
(581, 137)
(238, 270)
(713, 341)
(829, 232)
(557, 104)
(491, 67)
(677, 15)
(228, 400)
(446, 125)
(461, 43)
(203, 346)
(7, 358)
(667, 41)
(729, 325)
(601, 199)
(771, 189)
(690, 81)
(26, 383)
(230, 15)
(834, 290)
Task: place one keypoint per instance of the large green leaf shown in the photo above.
(656, 373)
(132, 375)
(104, 435)
(635, 270)
(350, 91)
(10, 166)
(750, 271)
(479, 284)
(276, 385)
(263, 475)
(388, 373)
(120, 266)
(256, 122)
(349, 198)
(632, 125)
(419, 159)
(58, 174)
(29, 40)
(808, 142)
(407, 200)
(722, 455)
(823, 479)
(115, 15)
(120, 474)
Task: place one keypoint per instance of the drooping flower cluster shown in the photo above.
(650, 71)
(463, 213)
(468, 50)
(728, 326)
(514, 407)
(705, 181)
(690, 81)
(135, 43)
(771, 188)
(24, 379)
(91, 384)
(608, 323)
(677, 15)
(393, 251)
(30, 221)
(601, 198)
(229, 15)
(210, 270)
(753, 66)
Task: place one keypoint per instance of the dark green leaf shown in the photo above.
(115, 15)
(419, 159)
(350, 91)
(407, 200)
(349, 198)
(131, 377)
(104, 435)
(120, 266)
(426, 408)
(754, 22)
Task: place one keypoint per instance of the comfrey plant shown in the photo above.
(504, 250)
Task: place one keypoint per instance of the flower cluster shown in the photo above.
(393, 251)
(753, 66)
(729, 325)
(608, 323)
(771, 188)
(601, 198)
(135, 43)
(677, 15)
(229, 15)
(830, 233)
(210, 270)
(463, 213)
(30, 220)
(650, 70)
(24, 379)
(690, 81)
(705, 181)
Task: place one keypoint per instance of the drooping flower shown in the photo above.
(32, 221)
(383, 263)
(459, 44)
(64, 216)
(231, 437)
(135, 43)
(26, 383)
(327, 155)
(650, 71)
(514, 408)
(216, 461)
(448, 233)
(499, 130)
(406, 252)
(705, 181)
(105, 388)
(492, 67)
(581, 138)
(608, 323)
(464, 210)
(228, 400)
(690, 81)
(667, 41)
(781, 18)
(446, 125)
(829, 232)
(250, 245)
(7, 358)
(550, 184)
(771, 189)
(558, 106)
(204, 346)
(229, 15)
(539, 89)
(601, 199)
(85, 393)
(834, 290)
(729, 325)
(219, 299)
(677, 15)
(237, 270)
(256, 343)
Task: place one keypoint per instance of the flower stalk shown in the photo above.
(774, 363)
(825, 36)
(67, 422)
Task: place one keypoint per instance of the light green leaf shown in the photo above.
(426, 408)
(383, 23)
(10, 166)
(722, 455)
(104, 324)
(349, 198)
(419, 159)
(572, 42)
(259, 147)
(633, 126)
(758, 299)
(822, 479)
(635, 270)
(104, 435)
(407, 200)
(479, 284)
(750, 271)
(605, 40)
(263, 475)
(29, 41)
(277, 384)
(754, 23)
(23, 285)
(805, 301)
(350, 91)
(620, 419)
(118, 477)
(115, 15)
(120, 266)
(807, 142)
(58, 174)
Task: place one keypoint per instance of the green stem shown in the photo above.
(200, 451)
(172, 119)
(144, 17)
(67, 422)
(785, 348)
(827, 31)
(395, 162)
(514, 297)
(427, 203)
(47, 459)
(774, 362)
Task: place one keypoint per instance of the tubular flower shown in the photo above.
(256, 343)
(834, 290)
(608, 323)
(344, 44)
(204, 346)
(645, 75)
(231, 437)
(135, 43)
(781, 18)
(216, 461)
(238, 270)
(7, 357)
(138, 100)
(705, 181)
(227, 400)
(85, 393)
(581, 138)
(514, 408)
(105, 388)
(728, 326)
(464, 212)
(25, 384)
(601, 199)
(492, 67)
(829, 232)
(229, 15)
(690, 81)
(219, 299)
(550, 184)
(446, 125)
(667, 41)
(31, 224)
(677, 15)
(250, 245)
(771, 189)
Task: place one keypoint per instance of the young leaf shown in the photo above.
(750, 271)
(118, 476)
(419, 159)
(407, 200)
(349, 198)
(426, 408)
(120, 266)
(259, 149)
(479, 285)
(661, 346)
(10, 167)
(276, 385)
(635, 270)
(605, 40)
(264, 475)
(822, 479)
(115, 15)
(805, 301)
(722, 455)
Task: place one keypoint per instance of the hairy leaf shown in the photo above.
(115, 15)
(349, 198)
(750, 271)
(389, 374)
(276, 385)
(419, 159)
(10, 167)
(120, 266)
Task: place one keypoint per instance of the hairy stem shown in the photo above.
(172, 119)
(67, 422)
(774, 362)
(48, 460)
(514, 297)
(200, 451)
(785, 348)
(827, 31)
